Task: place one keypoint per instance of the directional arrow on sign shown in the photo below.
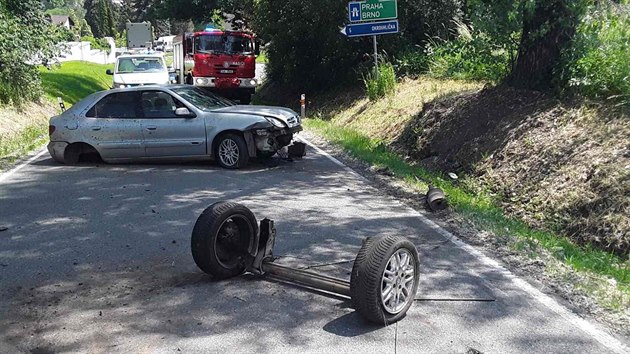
(370, 28)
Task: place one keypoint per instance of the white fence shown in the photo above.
(83, 51)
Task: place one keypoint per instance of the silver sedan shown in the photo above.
(176, 122)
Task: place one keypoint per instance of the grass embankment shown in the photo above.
(25, 128)
(366, 130)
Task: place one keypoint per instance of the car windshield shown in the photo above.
(202, 99)
(140, 65)
(226, 43)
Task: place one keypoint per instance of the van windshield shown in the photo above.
(140, 64)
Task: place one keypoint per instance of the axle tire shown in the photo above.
(384, 279)
(221, 237)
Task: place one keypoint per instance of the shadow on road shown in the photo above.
(98, 260)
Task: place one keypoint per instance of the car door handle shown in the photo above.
(195, 142)
(96, 128)
(151, 127)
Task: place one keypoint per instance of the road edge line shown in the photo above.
(5, 175)
(589, 328)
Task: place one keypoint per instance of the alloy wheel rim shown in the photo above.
(228, 152)
(398, 282)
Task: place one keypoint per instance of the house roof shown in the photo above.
(60, 20)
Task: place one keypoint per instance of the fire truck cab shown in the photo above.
(220, 61)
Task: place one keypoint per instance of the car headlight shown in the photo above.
(201, 81)
(276, 123)
(252, 82)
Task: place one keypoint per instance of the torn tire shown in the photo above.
(384, 279)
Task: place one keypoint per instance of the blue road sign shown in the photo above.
(354, 11)
(370, 28)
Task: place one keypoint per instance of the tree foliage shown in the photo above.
(99, 14)
(549, 27)
(26, 39)
(305, 47)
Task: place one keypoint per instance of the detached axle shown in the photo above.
(227, 241)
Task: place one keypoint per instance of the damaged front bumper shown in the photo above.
(269, 139)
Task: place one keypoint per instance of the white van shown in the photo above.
(139, 69)
(164, 44)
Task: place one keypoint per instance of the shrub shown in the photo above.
(598, 64)
(97, 43)
(411, 62)
(380, 85)
(471, 56)
(26, 39)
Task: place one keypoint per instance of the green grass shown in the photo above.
(262, 58)
(30, 138)
(74, 80)
(478, 208)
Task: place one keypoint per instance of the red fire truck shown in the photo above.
(221, 61)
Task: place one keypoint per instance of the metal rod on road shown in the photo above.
(314, 280)
(375, 57)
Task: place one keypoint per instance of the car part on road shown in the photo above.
(436, 199)
(226, 242)
(297, 150)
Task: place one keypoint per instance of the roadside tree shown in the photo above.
(26, 40)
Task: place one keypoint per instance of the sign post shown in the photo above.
(372, 10)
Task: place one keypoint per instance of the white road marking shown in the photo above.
(4, 176)
(598, 334)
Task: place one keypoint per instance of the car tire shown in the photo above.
(231, 151)
(376, 266)
(221, 237)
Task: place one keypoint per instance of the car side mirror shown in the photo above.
(109, 72)
(184, 112)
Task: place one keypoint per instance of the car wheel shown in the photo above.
(231, 151)
(221, 237)
(384, 279)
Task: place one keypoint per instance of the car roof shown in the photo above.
(140, 56)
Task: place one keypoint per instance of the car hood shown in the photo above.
(286, 115)
(142, 78)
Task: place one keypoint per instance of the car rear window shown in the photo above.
(116, 105)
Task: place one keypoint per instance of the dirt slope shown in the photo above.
(564, 165)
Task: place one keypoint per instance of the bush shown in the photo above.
(598, 64)
(411, 62)
(26, 39)
(471, 56)
(380, 85)
(97, 43)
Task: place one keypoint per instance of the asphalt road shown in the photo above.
(97, 259)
